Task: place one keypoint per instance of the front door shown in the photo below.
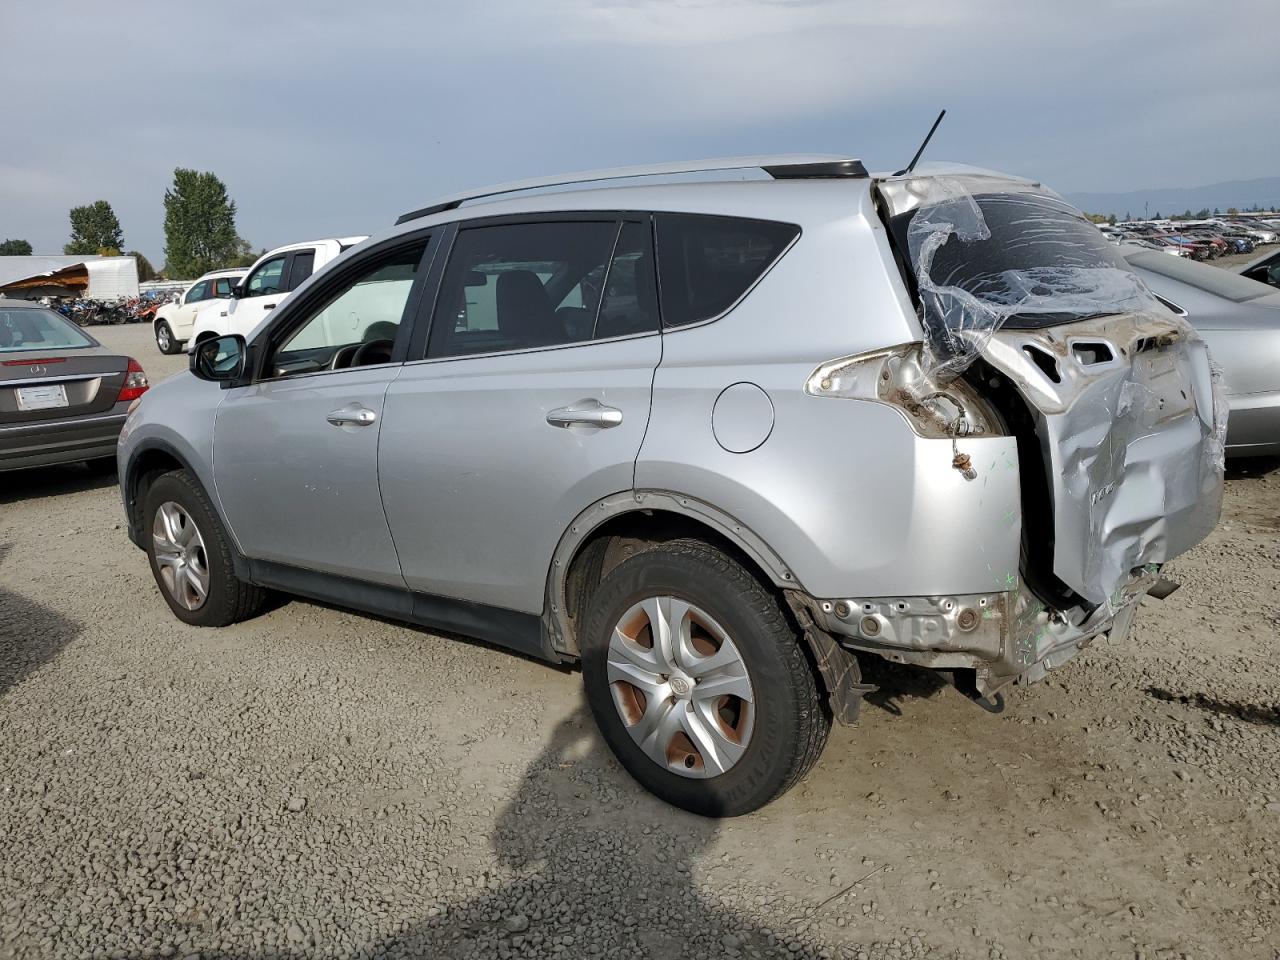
(264, 289)
(296, 453)
(185, 316)
(530, 405)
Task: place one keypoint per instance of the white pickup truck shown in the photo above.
(269, 281)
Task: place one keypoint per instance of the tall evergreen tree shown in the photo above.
(199, 224)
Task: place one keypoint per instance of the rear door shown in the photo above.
(530, 404)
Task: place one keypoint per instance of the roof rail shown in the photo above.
(780, 167)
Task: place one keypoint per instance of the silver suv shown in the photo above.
(710, 439)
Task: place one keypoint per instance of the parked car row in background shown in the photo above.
(1196, 239)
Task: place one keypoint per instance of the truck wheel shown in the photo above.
(698, 681)
(164, 339)
(190, 555)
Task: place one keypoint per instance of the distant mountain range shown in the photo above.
(1264, 192)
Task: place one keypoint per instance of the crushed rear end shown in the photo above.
(1034, 328)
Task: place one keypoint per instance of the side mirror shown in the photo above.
(237, 291)
(220, 358)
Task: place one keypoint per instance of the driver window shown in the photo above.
(266, 279)
(358, 325)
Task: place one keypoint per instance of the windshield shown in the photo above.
(1215, 280)
(1015, 260)
(28, 329)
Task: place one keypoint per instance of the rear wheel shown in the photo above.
(164, 338)
(190, 555)
(698, 681)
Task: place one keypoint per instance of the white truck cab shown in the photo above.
(267, 284)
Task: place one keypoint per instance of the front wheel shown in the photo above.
(164, 339)
(698, 681)
(190, 555)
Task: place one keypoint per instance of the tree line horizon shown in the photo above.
(199, 231)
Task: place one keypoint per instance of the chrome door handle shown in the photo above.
(352, 415)
(589, 413)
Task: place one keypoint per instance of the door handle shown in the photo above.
(352, 415)
(268, 306)
(587, 413)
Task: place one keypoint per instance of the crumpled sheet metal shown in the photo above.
(1134, 458)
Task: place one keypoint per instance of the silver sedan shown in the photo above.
(1240, 320)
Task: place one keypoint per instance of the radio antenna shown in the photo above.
(916, 159)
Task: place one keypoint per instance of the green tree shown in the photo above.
(1232, 212)
(199, 224)
(145, 270)
(1111, 219)
(93, 227)
(1202, 213)
(15, 248)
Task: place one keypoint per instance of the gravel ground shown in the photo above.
(319, 783)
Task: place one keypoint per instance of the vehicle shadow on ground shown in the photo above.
(1266, 714)
(30, 634)
(585, 885)
(897, 683)
(16, 485)
(590, 867)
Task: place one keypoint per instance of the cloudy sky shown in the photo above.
(330, 118)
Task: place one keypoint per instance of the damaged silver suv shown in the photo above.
(711, 439)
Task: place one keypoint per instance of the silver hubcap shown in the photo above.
(681, 687)
(162, 335)
(180, 556)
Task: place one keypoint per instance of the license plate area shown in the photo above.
(41, 398)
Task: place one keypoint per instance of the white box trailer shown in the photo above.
(96, 278)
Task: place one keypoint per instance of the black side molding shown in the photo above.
(521, 632)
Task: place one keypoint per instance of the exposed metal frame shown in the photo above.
(779, 166)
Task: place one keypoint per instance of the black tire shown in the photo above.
(174, 346)
(229, 599)
(790, 724)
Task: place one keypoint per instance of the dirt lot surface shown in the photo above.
(319, 783)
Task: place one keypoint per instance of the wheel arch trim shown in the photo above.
(129, 490)
(559, 630)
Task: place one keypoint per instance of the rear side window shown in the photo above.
(522, 286)
(304, 263)
(706, 264)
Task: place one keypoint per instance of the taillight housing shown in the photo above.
(135, 382)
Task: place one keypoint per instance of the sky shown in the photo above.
(332, 118)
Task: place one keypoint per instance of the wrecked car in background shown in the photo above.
(682, 431)
(1239, 318)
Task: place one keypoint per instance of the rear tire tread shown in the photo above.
(760, 604)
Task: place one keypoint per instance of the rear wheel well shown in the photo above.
(634, 532)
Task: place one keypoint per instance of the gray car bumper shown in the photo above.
(61, 441)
